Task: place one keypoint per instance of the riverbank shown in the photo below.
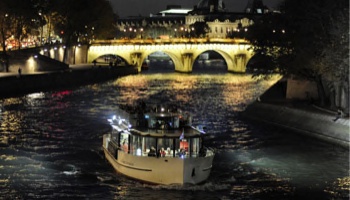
(300, 116)
(13, 84)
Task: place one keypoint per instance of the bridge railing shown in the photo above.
(172, 41)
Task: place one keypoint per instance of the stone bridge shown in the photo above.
(183, 52)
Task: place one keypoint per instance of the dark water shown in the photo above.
(55, 140)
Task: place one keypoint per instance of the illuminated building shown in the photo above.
(209, 18)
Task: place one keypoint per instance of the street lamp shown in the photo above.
(124, 35)
(130, 32)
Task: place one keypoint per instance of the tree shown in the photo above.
(4, 32)
(45, 11)
(270, 42)
(309, 39)
(336, 59)
(199, 29)
(74, 17)
(21, 15)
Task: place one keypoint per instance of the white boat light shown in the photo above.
(114, 117)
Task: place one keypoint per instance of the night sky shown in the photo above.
(126, 8)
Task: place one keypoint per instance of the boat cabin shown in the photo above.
(159, 133)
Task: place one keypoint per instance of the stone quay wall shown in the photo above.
(318, 125)
(38, 82)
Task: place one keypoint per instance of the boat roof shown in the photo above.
(149, 108)
(186, 132)
(154, 111)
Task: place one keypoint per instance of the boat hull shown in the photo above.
(162, 170)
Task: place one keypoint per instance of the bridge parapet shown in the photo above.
(171, 41)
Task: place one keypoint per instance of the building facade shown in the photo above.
(208, 19)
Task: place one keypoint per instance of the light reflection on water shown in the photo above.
(234, 89)
(54, 142)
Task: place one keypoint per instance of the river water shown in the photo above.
(54, 144)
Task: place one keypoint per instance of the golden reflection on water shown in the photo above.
(340, 187)
(247, 90)
(236, 89)
(7, 158)
(11, 120)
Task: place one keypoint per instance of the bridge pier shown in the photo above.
(136, 60)
(241, 62)
(237, 64)
(186, 63)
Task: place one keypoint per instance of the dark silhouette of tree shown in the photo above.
(4, 25)
(309, 39)
(199, 29)
(75, 21)
(46, 14)
(21, 14)
(73, 18)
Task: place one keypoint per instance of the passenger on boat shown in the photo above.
(157, 125)
(168, 151)
(162, 152)
(152, 152)
(202, 152)
(125, 146)
(182, 152)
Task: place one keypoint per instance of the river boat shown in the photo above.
(157, 144)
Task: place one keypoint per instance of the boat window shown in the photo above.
(187, 147)
(115, 135)
(165, 147)
(136, 145)
(162, 123)
(148, 144)
(124, 142)
(194, 146)
(177, 147)
(184, 145)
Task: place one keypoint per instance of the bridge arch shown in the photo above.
(175, 59)
(110, 58)
(210, 53)
(100, 52)
(235, 63)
